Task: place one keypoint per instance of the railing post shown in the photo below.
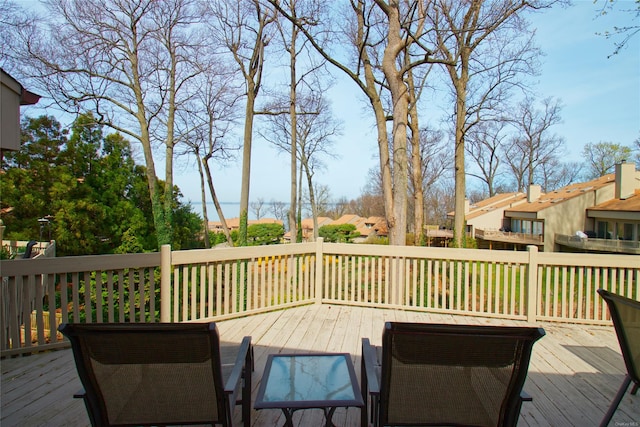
(318, 286)
(165, 283)
(532, 284)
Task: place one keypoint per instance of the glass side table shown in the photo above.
(304, 381)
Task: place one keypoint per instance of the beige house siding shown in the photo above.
(12, 96)
(487, 221)
(10, 91)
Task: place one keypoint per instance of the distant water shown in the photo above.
(230, 210)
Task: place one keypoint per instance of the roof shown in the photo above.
(630, 204)
(307, 223)
(548, 200)
(498, 201)
(346, 219)
(26, 97)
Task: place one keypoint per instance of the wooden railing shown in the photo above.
(631, 247)
(510, 237)
(224, 283)
(73, 289)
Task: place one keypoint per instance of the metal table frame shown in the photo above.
(289, 406)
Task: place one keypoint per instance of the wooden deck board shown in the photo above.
(574, 373)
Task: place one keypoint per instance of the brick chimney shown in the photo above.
(625, 180)
(533, 193)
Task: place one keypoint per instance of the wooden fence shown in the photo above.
(216, 284)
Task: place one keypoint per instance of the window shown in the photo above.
(602, 230)
(527, 226)
(627, 233)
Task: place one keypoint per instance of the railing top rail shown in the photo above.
(453, 254)
(196, 256)
(26, 267)
(594, 260)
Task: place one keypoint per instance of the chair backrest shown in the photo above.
(149, 374)
(435, 374)
(625, 315)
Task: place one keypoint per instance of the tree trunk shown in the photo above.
(294, 136)
(400, 100)
(216, 202)
(460, 84)
(246, 167)
(416, 164)
(381, 127)
(203, 198)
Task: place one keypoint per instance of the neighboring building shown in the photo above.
(371, 227)
(598, 215)
(488, 214)
(234, 223)
(307, 228)
(12, 96)
(368, 228)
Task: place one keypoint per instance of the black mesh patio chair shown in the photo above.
(454, 375)
(160, 374)
(625, 315)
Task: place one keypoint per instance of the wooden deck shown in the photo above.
(574, 373)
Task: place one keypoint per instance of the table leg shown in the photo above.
(288, 415)
(328, 414)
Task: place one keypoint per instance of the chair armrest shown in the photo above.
(244, 353)
(369, 360)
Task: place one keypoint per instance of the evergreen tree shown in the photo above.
(96, 197)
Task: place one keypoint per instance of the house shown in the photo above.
(488, 214)
(595, 216)
(12, 96)
(371, 227)
(306, 226)
(374, 226)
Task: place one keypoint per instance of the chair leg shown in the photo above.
(365, 396)
(246, 389)
(616, 401)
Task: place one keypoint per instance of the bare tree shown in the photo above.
(439, 201)
(278, 210)
(484, 146)
(315, 128)
(304, 81)
(126, 61)
(415, 90)
(534, 144)
(555, 174)
(204, 125)
(322, 200)
(601, 157)
(242, 27)
(380, 33)
(15, 25)
(433, 159)
(624, 32)
(257, 207)
(478, 41)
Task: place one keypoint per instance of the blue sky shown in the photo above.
(600, 97)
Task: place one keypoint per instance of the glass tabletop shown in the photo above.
(308, 380)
